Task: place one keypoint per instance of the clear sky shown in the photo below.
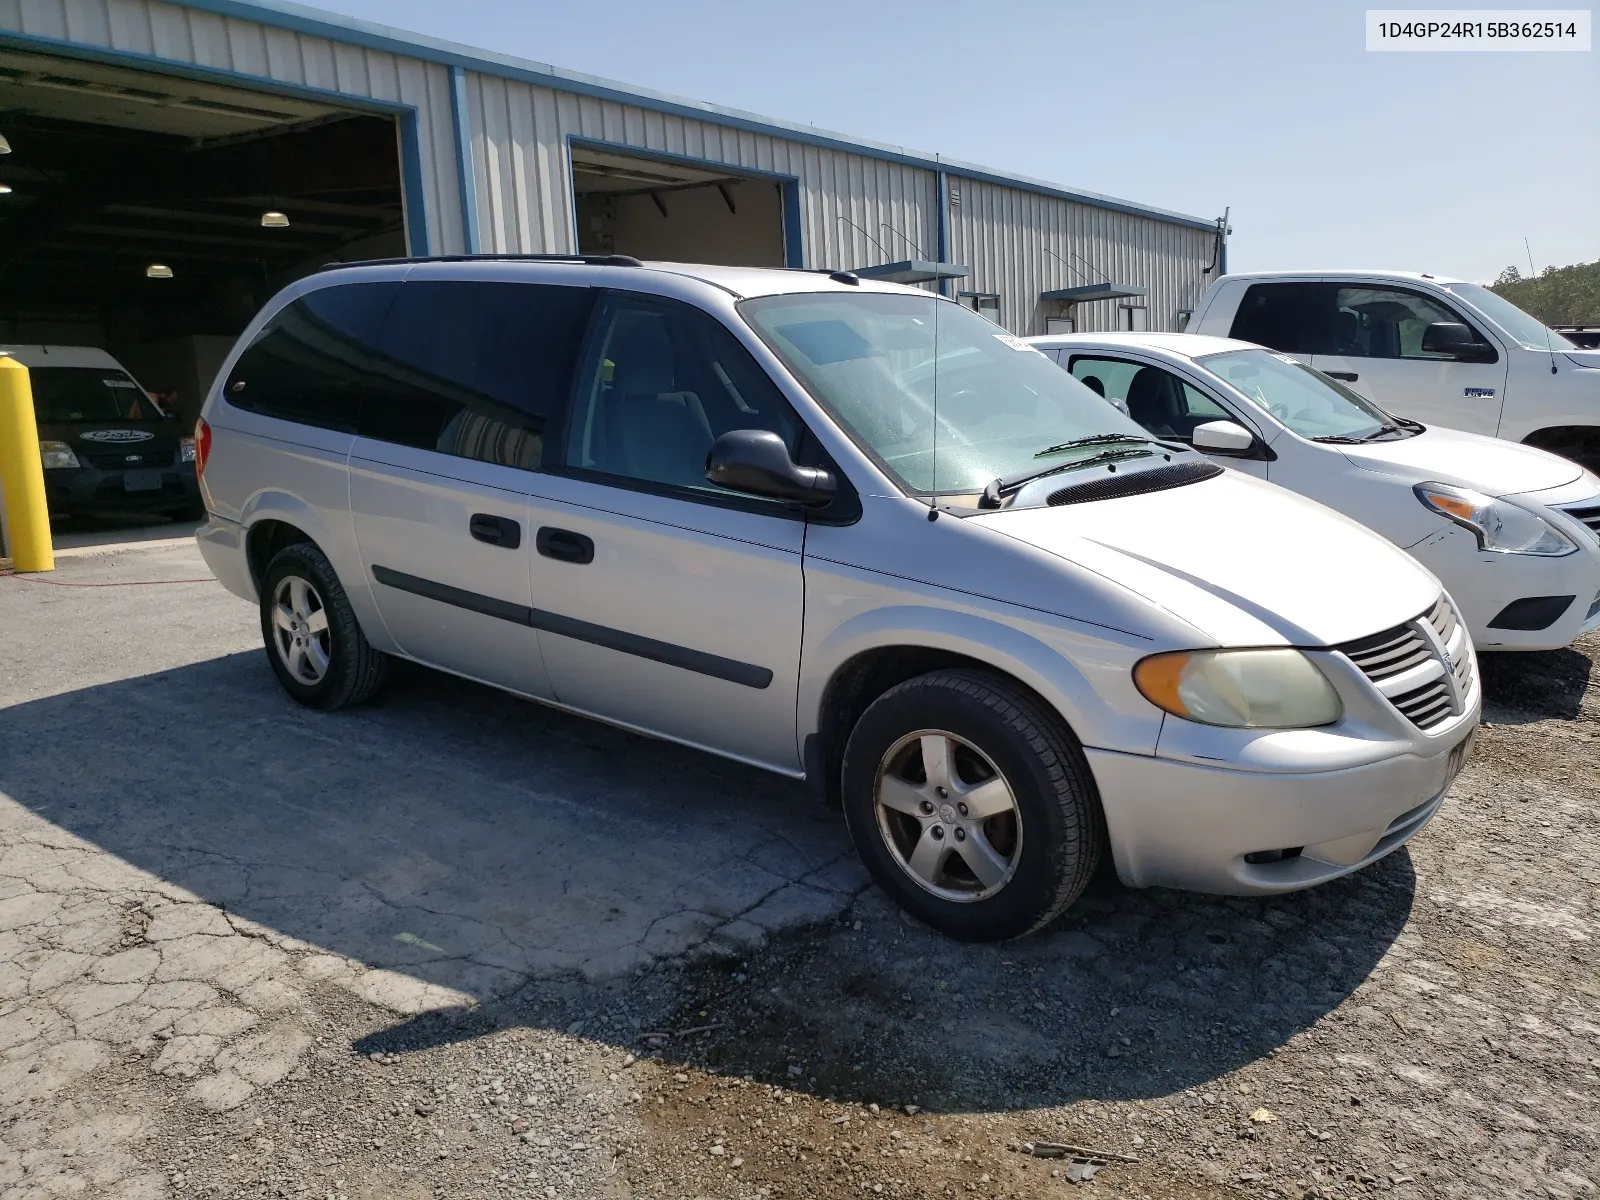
(1328, 155)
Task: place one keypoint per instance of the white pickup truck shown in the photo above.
(1437, 350)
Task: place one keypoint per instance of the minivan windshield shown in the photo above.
(63, 395)
(1306, 401)
(881, 363)
(1528, 330)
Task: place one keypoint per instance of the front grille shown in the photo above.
(1406, 666)
(1391, 652)
(1589, 515)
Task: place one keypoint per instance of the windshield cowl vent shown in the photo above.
(1134, 483)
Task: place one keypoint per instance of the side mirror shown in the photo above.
(1455, 339)
(756, 461)
(1224, 437)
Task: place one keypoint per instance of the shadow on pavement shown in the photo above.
(1521, 688)
(542, 863)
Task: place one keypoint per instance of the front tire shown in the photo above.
(971, 804)
(313, 641)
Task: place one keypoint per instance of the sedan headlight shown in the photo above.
(1241, 689)
(185, 449)
(56, 455)
(1498, 525)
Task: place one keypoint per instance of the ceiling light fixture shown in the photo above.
(158, 271)
(274, 220)
(5, 189)
(5, 146)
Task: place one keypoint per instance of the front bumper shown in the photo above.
(1483, 584)
(1187, 825)
(88, 489)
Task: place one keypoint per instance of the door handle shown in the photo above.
(496, 531)
(1346, 376)
(564, 545)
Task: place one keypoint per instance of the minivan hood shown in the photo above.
(1467, 460)
(1584, 358)
(1244, 561)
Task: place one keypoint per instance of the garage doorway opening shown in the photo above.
(151, 215)
(654, 208)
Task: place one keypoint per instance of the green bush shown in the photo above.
(1557, 295)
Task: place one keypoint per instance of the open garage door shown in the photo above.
(151, 216)
(659, 209)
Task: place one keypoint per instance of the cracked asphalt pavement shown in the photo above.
(454, 944)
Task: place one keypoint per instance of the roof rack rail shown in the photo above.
(593, 260)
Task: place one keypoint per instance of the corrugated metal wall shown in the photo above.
(186, 36)
(1022, 243)
(855, 209)
(519, 135)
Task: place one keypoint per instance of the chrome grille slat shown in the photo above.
(1397, 661)
(1388, 653)
(1589, 515)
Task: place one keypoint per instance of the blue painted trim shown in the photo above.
(793, 235)
(317, 23)
(687, 160)
(466, 176)
(405, 115)
(794, 241)
(418, 239)
(942, 226)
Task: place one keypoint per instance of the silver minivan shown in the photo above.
(848, 532)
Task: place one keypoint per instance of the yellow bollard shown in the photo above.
(27, 516)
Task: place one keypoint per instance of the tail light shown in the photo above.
(202, 445)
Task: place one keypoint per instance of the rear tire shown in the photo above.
(313, 641)
(1013, 858)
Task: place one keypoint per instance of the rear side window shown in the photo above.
(308, 364)
(478, 370)
(1296, 318)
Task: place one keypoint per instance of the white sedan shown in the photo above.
(1511, 531)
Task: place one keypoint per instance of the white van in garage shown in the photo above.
(1438, 350)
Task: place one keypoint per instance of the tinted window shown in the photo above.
(1296, 318)
(65, 394)
(664, 381)
(477, 370)
(1158, 400)
(308, 363)
(1381, 322)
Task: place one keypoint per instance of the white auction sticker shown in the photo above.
(1467, 29)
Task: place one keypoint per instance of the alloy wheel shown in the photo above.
(300, 629)
(947, 815)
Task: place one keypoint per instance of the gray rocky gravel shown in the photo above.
(1428, 1027)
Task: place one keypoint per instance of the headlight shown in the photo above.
(57, 454)
(185, 449)
(1498, 525)
(1242, 689)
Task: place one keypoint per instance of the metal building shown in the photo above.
(150, 134)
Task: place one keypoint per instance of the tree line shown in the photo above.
(1557, 295)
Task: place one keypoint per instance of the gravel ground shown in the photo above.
(1429, 1027)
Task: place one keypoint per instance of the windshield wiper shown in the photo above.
(1005, 485)
(1094, 439)
(1380, 431)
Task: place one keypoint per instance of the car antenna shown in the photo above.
(1548, 347)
